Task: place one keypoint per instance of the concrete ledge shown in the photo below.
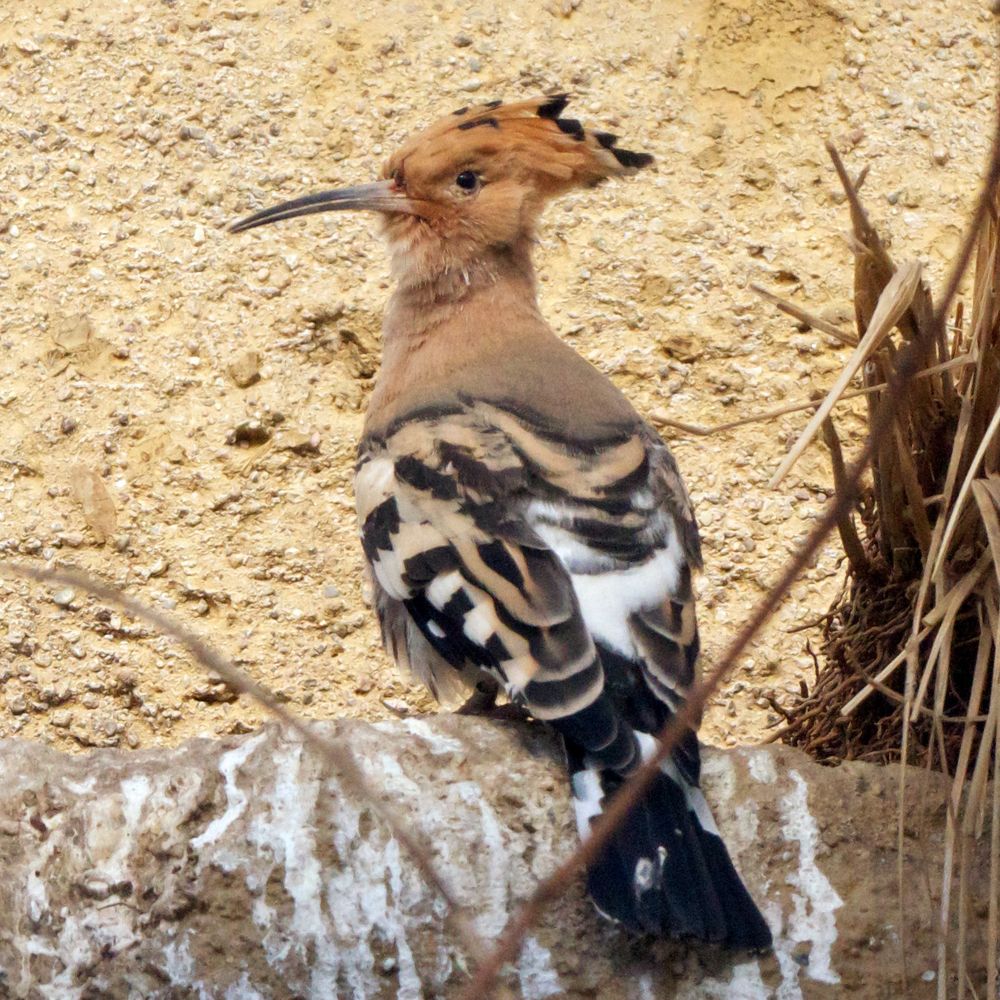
(239, 869)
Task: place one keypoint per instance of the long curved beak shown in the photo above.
(382, 196)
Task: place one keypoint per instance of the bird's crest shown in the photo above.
(531, 135)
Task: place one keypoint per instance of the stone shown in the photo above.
(254, 841)
(63, 597)
(682, 345)
(244, 369)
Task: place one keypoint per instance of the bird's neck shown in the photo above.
(434, 291)
(439, 331)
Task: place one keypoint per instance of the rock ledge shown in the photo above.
(240, 869)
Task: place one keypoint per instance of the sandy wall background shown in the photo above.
(179, 407)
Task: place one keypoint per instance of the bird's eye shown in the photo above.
(467, 180)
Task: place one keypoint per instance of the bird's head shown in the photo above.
(472, 183)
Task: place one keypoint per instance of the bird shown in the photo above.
(526, 531)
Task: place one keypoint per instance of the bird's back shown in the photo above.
(491, 343)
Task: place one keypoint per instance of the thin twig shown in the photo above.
(660, 418)
(797, 312)
(337, 755)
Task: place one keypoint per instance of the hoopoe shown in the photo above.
(521, 522)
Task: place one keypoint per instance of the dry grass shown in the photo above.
(912, 647)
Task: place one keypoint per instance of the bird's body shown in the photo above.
(519, 518)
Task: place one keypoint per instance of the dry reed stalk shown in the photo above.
(924, 581)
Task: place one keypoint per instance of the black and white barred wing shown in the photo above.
(466, 583)
(556, 565)
(629, 541)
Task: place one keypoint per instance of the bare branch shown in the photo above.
(816, 322)
(335, 754)
(660, 418)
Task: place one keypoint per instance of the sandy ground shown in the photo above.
(179, 407)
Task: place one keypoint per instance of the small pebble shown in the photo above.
(156, 568)
(244, 369)
(249, 432)
(63, 598)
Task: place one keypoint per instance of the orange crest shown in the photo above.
(528, 139)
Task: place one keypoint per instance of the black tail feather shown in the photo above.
(663, 873)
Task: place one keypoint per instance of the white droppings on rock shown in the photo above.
(789, 988)
(761, 766)
(495, 907)
(720, 779)
(243, 990)
(368, 896)
(438, 743)
(136, 791)
(746, 983)
(323, 899)
(36, 894)
(286, 832)
(178, 963)
(409, 986)
(235, 796)
(816, 900)
(84, 787)
(742, 831)
(398, 783)
(537, 977)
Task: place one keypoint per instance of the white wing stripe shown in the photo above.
(607, 600)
